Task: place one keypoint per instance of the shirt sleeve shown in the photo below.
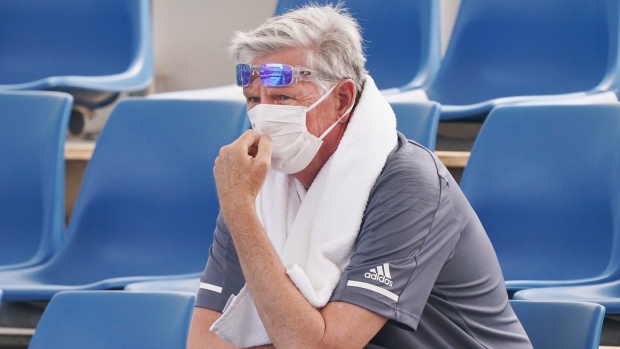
(222, 276)
(408, 233)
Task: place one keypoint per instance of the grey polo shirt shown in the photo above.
(422, 260)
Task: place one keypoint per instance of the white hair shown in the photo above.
(329, 36)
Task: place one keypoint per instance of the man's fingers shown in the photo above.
(248, 140)
(264, 150)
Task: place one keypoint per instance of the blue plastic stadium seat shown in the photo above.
(504, 51)
(109, 319)
(566, 325)
(32, 138)
(189, 285)
(147, 205)
(402, 38)
(544, 182)
(418, 121)
(606, 294)
(91, 49)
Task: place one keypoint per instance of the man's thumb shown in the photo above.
(264, 149)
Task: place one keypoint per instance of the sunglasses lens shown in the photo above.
(276, 74)
(244, 73)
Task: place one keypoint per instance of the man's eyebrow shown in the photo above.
(278, 90)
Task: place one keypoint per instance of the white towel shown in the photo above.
(314, 233)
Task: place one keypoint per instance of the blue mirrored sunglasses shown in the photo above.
(275, 74)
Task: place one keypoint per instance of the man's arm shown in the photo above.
(200, 337)
(287, 316)
(289, 319)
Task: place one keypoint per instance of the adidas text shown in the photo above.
(381, 274)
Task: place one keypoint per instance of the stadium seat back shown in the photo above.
(521, 48)
(32, 139)
(544, 181)
(402, 38)
(82, 47)
(147, 205)
(418, 121)
(109, 319)
(567, 325)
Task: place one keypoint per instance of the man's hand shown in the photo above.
(240, 170)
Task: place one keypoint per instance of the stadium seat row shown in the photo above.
(499, 52)
(147, 204)
(109, 319)
(144, 216)
(543, 178)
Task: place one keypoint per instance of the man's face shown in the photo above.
(302, 93)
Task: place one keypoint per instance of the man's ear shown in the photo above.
(346, 94)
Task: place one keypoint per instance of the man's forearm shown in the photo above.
(287, 316)
(200, 337)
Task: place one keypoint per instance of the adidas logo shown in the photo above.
(381, 274)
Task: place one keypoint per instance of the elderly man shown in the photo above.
(335, 231)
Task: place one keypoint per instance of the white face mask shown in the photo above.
(293, 146)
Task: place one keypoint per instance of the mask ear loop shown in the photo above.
(321, 99)
(336, 123)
